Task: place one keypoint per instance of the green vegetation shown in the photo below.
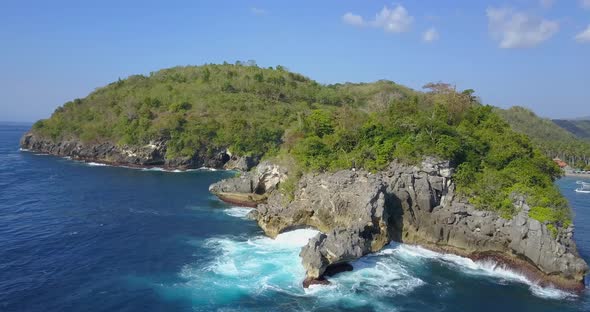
(243, 108)
(548, 136)
(314, 127)
(578, 127)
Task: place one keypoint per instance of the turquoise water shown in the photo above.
(82, 237)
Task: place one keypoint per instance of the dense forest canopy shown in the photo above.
(275, 113)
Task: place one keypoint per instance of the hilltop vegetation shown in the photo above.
(278, 114)
(548, 136)
(578, 127)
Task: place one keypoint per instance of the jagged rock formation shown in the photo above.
(250, 188)
(150, 155)
(359, 212)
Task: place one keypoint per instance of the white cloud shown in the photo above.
(546, 4)
(519, 30)
(353, 19)
(430, 35)
(258, 11)
(584, 36)
(395, 20)
(585, 4)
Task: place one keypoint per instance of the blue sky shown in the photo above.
(534, 53)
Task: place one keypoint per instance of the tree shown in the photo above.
(439, 87)
(259, 77)
(206, 75)
(469, 93)
(320, 123)
(228, 87)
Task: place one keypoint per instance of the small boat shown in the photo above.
(584, 188)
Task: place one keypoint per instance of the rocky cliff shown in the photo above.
(149, 155)
(359, 212)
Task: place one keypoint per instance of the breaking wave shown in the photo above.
(243, 268)
(261, 267)
(156, 169)
(238, 212)
(207, 169)
(95, 164)
(481, 268)
(99, 164)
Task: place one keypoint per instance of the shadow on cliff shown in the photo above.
(393, 207)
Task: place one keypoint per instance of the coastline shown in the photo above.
(150, 156)
(514, 263)
(104, 163)
(577, 175)
(446, 224)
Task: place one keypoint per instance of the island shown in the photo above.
(364, 163)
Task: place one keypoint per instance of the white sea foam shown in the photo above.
(481, 268)
(208, 169)
(375, 278)
(238, 212)
(98, 164)
(95, 164)
(387, 273)
(160, 169)
(245, 268)
(32, 151)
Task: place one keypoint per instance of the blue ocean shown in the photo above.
(85, 237)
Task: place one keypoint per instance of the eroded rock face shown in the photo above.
(241, 163)
(252, 187)
(345, 199)
(359, 213)
(152, 154)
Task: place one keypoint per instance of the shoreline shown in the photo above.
(515, 264)
(512, 262)
(105, 163)
(577, 175)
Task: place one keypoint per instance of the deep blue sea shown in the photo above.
(83, 237)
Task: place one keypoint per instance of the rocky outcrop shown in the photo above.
(250, 188)
(149, 155)
(241, 163)
(359, 212)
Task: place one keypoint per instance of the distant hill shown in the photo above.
(579, 127)
(550, 136)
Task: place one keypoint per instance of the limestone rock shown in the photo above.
(252, 187)
(243, 163)
(149, 155)
(359, 212)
